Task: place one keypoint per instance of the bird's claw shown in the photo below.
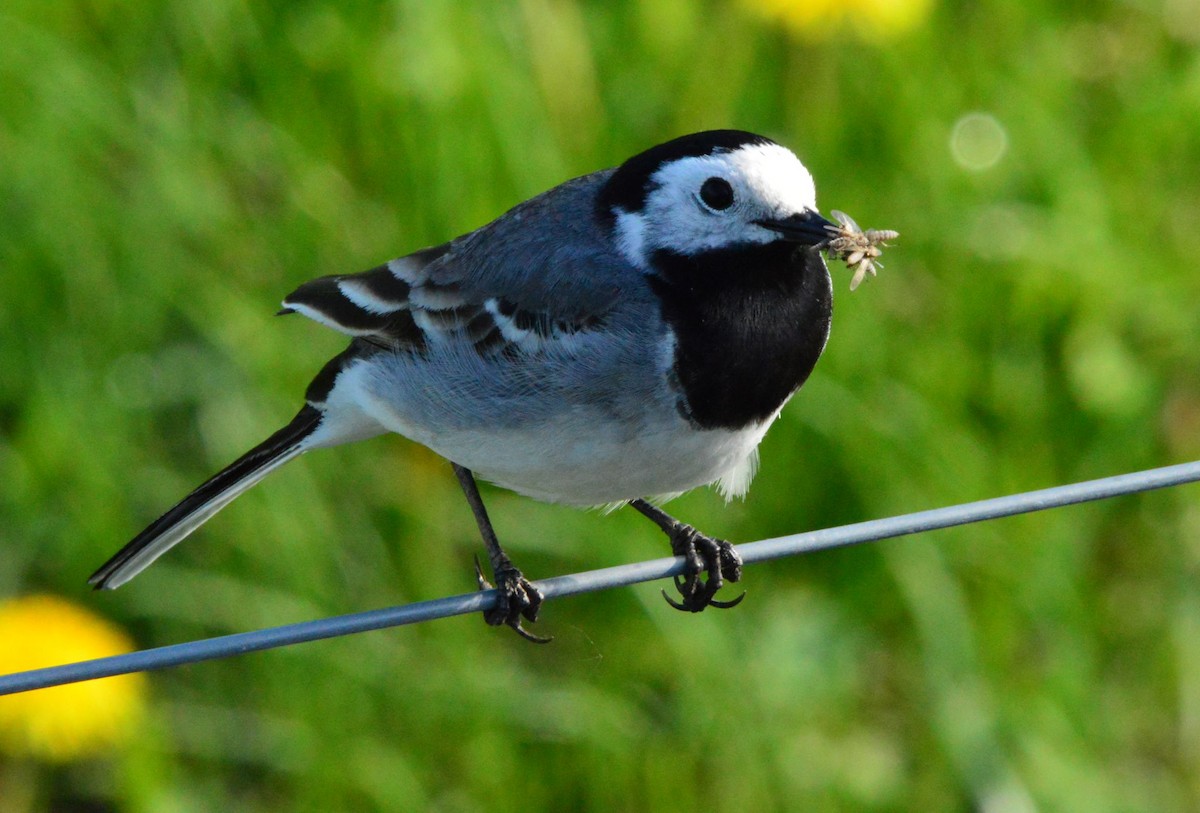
(516, 598)
(703, 555)
(688, 606)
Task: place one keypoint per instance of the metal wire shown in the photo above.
(591, 581)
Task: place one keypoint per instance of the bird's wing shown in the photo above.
(374, 305)
(530, 281)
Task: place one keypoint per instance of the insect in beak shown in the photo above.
(857, 248)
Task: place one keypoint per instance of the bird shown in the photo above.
(620, 339)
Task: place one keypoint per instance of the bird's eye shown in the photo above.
(716, 193)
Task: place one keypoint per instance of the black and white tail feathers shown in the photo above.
(198, 507)
(374, 308)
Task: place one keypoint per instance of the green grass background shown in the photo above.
(169, 170)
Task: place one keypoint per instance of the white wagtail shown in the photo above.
(630, 334)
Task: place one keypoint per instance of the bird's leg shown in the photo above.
(515, 595)
(703, 554)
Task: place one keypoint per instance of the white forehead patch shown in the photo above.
(768, 181)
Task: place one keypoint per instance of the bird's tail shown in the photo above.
(217, 492)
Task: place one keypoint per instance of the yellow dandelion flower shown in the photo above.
(64, 722)
(824, 19)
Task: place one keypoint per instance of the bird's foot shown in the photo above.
(715, 558)
(516, 598)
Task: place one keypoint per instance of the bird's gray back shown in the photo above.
(550, 259)
(551, 252)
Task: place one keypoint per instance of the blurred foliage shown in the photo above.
(169, 170)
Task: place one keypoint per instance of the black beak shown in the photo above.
(808, 228)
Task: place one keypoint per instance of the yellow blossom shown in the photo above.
(824, 19)
(65, 722)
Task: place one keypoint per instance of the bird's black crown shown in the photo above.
(630, 184)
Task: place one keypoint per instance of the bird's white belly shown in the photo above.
(576, 453)
(561, 464)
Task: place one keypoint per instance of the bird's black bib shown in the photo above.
(750, 322)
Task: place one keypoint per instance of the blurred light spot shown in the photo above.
(70, 722)
(176, 374)
(1183, 222)
(1180, 417)
(16, 474)
(223, 425)
(323, 194)
(874, 20)
(1105, 376)
(132, 381)
(978, 141)
(1008, 797)
(1094, 51)
(321, 38)
(1182, 19)
(428, 55)
(1002, 232)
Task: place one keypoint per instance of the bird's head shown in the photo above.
(711, 191)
